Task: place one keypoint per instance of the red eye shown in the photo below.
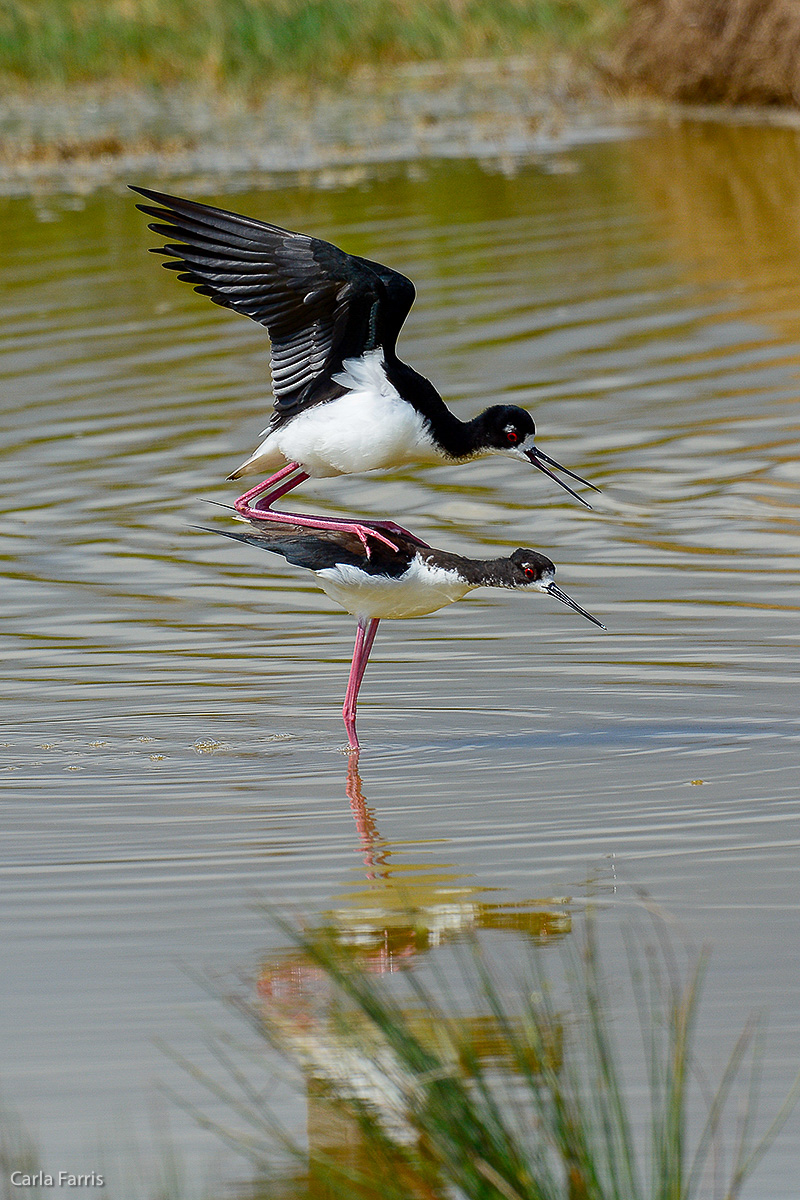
(528, 572)
(512, 437)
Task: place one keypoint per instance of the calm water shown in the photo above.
(172, 740)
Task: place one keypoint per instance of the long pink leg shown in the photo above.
(270, 490)
(291, 476)
(365, 636)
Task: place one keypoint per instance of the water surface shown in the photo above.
(172, 739)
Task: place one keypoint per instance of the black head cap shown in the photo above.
(532, 569)
(529, 566)
(506, 427)
(509, 429)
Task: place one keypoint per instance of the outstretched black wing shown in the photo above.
(318, 304)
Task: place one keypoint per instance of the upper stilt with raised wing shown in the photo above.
(344, 401)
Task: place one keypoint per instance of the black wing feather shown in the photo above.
(316, 549)
(318, 304)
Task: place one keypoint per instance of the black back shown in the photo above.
(316, 549)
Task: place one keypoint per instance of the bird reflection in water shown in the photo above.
(396, 916)
(404, 909)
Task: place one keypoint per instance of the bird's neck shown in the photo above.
(458, 439)
(465, 439)
(489, 572)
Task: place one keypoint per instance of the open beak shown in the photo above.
(539, 458)
(553, 589)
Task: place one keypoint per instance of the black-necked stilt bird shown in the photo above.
(408, 580)
(344, 402)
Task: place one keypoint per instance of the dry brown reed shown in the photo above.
(713, 51)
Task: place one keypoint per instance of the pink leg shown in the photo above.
(291, 476)
(270, 490)
(393, 527)
(365, 636)
(282, 482)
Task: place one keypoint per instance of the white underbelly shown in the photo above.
(418, 592)
(366, 429)
(358, 432)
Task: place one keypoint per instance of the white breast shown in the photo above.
(422, 589)
(368, 428)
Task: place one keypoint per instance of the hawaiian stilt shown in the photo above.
(344, 402)
(407, 581)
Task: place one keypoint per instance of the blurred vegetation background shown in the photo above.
(696, 51)
(714, 51)
(93, 80)
(251, 43)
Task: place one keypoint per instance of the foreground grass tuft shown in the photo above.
(408, 1102)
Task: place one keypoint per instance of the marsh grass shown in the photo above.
(18, 1152)
(693, 51)
(425, 1114)
(249, 44)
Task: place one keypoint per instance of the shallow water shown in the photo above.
(172, 740)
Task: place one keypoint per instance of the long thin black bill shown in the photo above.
(553, 589)
(535, 457)
(552, 462)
